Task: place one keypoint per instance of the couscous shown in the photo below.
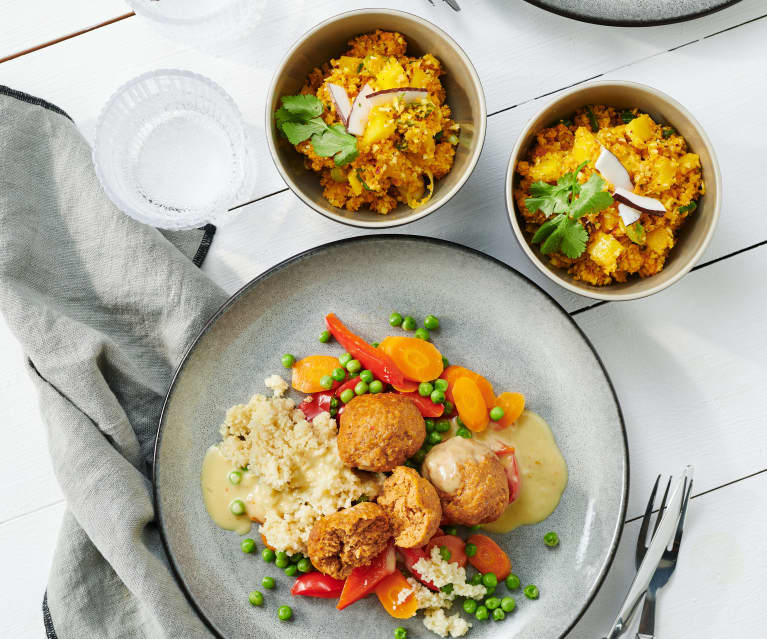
(619, 241)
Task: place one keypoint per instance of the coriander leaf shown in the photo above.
(592, 198)
(547, 228)
(636, 233)
(592, 120)
(304, 106)
(668, 132)
(627, 116)
(297, 132)
(554, 241)
(548, 198)
(337, 143)
(574, 239)
(688, 207)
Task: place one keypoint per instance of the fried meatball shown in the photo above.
(352, 537)
(379, 432)
(412, 505)
(470, 481)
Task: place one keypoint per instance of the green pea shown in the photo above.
(442, 426)
(361, 388)
(237, 507)
(281, 563)
(333, 412)
(339, 374)
(425, 389)
(366, 376)
(451, 530)
(470, 606)
(324, 337)
(499, 615)
(476, 579)
(475, 527)
(481, 614)
(551, 539)
(434, 437)
(291, 570)
(419, 456)
(496, 413)
(296, 558)
(408, 323)
(363, 497)
(459, 421)
(447, 588)
(470, 550)
(235, 477)
(333, 402)
(400, 633)
(532, 592)
(437, 396)
(326, 381)
(489, 590)
(440, 384)
(445, 362)
(288, 360)
(376, 386)
(268, 583)
(347, 395)
(284, 613)
(256, 598)
(508, 604)
(431, 322)
(448, 408)
(344, 359)
(491, 603)
(395, 319)
(281, 554)
(247, 545)
(354, 366)
(463, 432)
(267, 554)
(512, 582)
(305, 565)
(430, 425)
(422, 333)
(337, 174)
(490, 580)
(444, 552)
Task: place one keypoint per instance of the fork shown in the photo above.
(668, 560)
(452, 3)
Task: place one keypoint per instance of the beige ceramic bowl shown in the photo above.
(695, 233)
(329, 40)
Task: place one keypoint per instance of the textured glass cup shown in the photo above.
(171, 150)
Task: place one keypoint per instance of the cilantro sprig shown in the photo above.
(567, 201)
(299, 119)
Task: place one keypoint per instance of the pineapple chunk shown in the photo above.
(419, 78)
(665, 174)
(641, 129)
(391, 76)
(585, 146)
(380, 126)
(660, 239)
(604, 249)
(355, 183)
(374, 63)
(689, 162)
(348, 64)
(547, 168)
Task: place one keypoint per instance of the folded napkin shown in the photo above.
(104, 308)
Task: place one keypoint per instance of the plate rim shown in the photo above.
(175, 570)
(542, 4)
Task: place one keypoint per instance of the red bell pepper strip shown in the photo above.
(411, 557)
(350, 383)
(315, 404)
(424, 404)
(375, 360)
(509, 462)
(315, 584)
(364, 579)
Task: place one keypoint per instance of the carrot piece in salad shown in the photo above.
(308, 372)
(489, 557)
(513, 405)
(470, 404)
(388, 591)
(453, 372)
(418, 359)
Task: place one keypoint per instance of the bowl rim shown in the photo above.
(607, 294)
(416, 214)
(175, 569)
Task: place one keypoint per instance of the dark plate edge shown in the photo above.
(541, 4)
(277, 267)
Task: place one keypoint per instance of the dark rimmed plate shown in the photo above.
(493, 319)
(632, 13)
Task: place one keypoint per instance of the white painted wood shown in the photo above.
(28, 24)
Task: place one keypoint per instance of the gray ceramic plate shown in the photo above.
(493, 319)
(639, 13)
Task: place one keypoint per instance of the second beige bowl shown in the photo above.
(694, 235)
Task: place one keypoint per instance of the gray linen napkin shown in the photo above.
(104, 308)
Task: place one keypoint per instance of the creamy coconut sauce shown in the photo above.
(542, 470)
(441, 465)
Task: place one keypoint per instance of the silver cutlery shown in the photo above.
(453, 4)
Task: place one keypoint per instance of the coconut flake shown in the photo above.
(628, 215)
(358, 117)
(611, 168)
(341, 101)
(641, 203)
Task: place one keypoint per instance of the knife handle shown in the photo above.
(647, 621)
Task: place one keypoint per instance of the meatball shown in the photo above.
(470, 481)
(379, 432)
(412, 505)
(352, 537)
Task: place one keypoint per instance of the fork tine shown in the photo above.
(682, 515)
(662, 508)
(641, 541)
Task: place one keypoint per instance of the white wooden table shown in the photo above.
(689, 364)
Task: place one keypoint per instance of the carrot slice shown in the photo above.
(470, 404)
(308, 372)
(453, 543)
(489, 557)
(452, 373)
(418, 359)
(388, 591)
(512, 404)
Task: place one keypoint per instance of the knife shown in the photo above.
(652, 557)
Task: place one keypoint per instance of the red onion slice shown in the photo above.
(628, 215)
(641, 203)
(358, 117)
(408, 95)
(611, 168)
(341, 101)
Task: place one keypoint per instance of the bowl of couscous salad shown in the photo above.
(375, 118)
(613, 190)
